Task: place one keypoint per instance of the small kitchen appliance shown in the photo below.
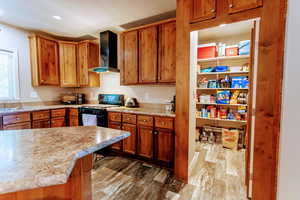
(131, 103)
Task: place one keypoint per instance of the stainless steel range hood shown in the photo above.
(108, 53)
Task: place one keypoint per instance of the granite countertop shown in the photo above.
(143, 111)
(36, 158)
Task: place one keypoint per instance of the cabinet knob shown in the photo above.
(213, 10)
(231, 5)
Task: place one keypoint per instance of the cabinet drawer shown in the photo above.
(19, 126)
(129, 118)
(145, 120)
(58, 122)
(58, 113)
(164, 122)
(45, 114)
(16, 118)
(73, 112)
(114, 117)
(41, 124)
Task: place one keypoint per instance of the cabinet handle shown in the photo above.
(213, 10)
(231, 5)
(145, 120)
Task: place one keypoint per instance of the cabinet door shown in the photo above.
(18, 126)
(93, 60)
(73, 121)
(68, 65)
(48, 62)
(129, 144)
(145, 142)
(241, 5)
(116, 146)
(203, 10)
(164, 146)
(41, 124)
(58, 122)
(148, 53)
(130, 56)
(167, 53)
(83, 65)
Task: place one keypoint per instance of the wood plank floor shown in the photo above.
(216, 174)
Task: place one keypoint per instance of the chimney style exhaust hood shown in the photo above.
(108, 53)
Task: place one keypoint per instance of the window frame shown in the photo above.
(14, 92)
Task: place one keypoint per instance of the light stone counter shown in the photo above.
(37, 158)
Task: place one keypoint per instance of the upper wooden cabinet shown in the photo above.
(129, 72)
(88, 57)
(148, 56)
(241, 5)
(44, 61)
(68, 64)
(203, 9)
(167, 53)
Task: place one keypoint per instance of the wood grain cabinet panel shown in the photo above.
(58, 122)
(164, 146)
(203, 10)
(58, 112)
(43, 114)
(114, 117)
(145, 142)
(73, 121)
(167, 53)
(41, 123)
(129, 144)
(129, 118)
(242, 5)
(18, 126)
(73, 112)
(16, 118)
(83, 67)
(164, 122)
(44, 61)
(130, 58)
(148, 54)
(116, 146)
(68, 64)
(145, 120)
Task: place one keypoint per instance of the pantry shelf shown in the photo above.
(222, 88)
(221, 73)
(224, 58)
(226, 120)
(217, 104)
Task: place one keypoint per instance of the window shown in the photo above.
(9, 87)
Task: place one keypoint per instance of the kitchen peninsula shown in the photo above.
(51, 163)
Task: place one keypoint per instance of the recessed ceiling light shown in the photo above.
(57, 17)
(222, 25)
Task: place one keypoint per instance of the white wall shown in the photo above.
(110, 83)
(15, 39)
(289, 163)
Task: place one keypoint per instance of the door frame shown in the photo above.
(269, 89)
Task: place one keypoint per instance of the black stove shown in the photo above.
(96, 115)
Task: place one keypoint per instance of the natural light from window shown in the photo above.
(8, 75)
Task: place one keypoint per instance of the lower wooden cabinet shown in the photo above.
(73, 117)
(129, 144)
(58, 122)
(145, 142)
(116, 146)
(164, 146)
(41, 124)
(18, 126)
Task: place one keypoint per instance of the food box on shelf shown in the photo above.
(244, 47)
(232, 50)
(207, 51)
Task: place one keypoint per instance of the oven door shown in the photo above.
(93, 117)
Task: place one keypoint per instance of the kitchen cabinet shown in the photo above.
(68, 64)
(116, 146)
(148, 54)
(164, 146)
(129, 71)
(88, 57)
(18, 126)
(38, 115)
(129, 144)
(41, 123)
(203, 10)
(167, 53)
(16, 118)
(58, 122)
(145, 142)
(73, 117)
(44, 61)
(242, 5)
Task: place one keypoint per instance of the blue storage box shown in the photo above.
(244, 47)
(221, 68)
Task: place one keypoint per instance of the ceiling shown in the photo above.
(79, 17)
